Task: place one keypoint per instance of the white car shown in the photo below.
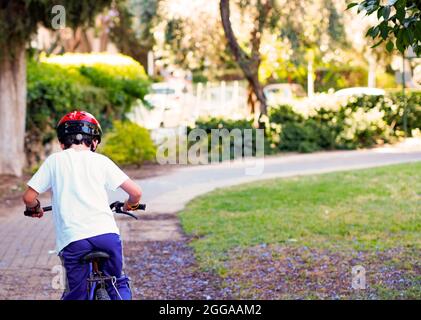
(358, 91)
(165, 95)
(167, 100)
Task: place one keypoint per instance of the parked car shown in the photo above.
(165, 95)
(283, 92)
(356, 91)
(171, 103)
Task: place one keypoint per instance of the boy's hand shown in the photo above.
(134, 195)
(34, 212)
(37, 215)
(129, 206)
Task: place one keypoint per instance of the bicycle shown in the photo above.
(97, 280)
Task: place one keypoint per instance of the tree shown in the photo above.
(294, 27)
(399, 26)
(132, 27)
(19, 20)
(310, 34)
(190, 35)
(249, 62)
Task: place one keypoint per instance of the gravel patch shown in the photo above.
(168, 270)
(277, 272)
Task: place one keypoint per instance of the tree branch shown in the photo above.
(238, 53)
(256, 35)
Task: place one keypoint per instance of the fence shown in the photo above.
(226, 99)
(222, 99)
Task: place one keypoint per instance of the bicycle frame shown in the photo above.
(96, 277)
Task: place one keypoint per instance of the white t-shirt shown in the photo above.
(79, 180)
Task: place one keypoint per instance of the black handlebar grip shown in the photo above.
(142, 206)
(29, 213)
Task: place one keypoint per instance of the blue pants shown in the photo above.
(77, 273)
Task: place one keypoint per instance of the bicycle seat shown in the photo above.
(95, 255)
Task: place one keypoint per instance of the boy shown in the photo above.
(78, 178)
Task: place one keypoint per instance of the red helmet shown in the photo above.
(79, 122)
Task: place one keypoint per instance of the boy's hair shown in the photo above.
(77, 139)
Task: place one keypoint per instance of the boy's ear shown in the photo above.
(94, 145)
(62, 146)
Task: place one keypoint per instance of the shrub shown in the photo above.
(298, 136)
(328, 123)
(393, 105)
(208, 124)
(121, 92)
(342, 127)
(53, 91)
(362, 128)
(128, 144)
(60, 84)
(122, 79)
(284, 113)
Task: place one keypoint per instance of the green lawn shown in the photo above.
(368, 210)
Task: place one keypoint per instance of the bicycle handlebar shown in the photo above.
(116, 206)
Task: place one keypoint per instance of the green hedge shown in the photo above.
(394, 105)
(361, 122)
(106, 91)
(208, 124)
(128, 144)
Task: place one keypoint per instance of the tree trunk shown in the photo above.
(258, 91)
(251, 99)
(12, 110)
(248, 64)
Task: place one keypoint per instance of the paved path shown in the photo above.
(27, 264)
(171, 192)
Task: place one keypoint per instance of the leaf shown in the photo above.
(399, 43)
(417, 50)
(405, 37)
(411, 36)
(417, 30)
(373, 31)
(377, 44)
(400, 14)
(380, 12)
(384, 30)
(369, 31)
(390, 46)
(386, 12)
(351, 5)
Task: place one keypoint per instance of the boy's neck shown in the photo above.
(79, 147)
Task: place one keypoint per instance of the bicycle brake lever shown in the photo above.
(127, 213)
(114, 204)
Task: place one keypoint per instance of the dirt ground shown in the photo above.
(168, 270)
(302, 273)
